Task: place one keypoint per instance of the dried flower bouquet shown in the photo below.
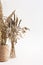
(10, 28)
(14, 31)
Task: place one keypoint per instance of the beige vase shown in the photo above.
(4, 53)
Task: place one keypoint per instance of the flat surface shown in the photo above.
(29, 51)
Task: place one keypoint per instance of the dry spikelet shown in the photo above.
(14, 17)
(10, 15)
(19, 22)
(16, 21)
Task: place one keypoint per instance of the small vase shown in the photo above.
(12, 54)
(4, 53)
